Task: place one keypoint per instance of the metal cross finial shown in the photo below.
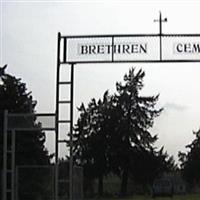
(160, 20)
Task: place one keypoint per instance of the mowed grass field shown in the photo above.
(139, 197)
(176, 197)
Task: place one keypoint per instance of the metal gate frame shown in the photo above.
(6, 191)
(61, 39)
(62, 60)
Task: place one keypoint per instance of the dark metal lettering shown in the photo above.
(196, 48)
(143, 48)
(179, 48)
(109, 49)
(117, 49)
(126, 48)
(188, 48)
(84, 49)
(134, 48)
(92, 49)
(100, 49)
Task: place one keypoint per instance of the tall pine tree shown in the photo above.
(91, 145)
(137, 115)
(111, 132)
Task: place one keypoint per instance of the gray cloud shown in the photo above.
(174, 106)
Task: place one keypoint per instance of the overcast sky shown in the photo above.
(28, 45)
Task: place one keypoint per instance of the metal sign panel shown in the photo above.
(112, 49)
(135, 48)
(89, 49)
(181, 48)
(131, 48)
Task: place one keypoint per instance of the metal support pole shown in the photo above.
(57, 116)
(160, 20)
(16, 183)
(112, 49)
(71, 133)
(57, 96)
(5, 145)
(160, 30)
(13, 164)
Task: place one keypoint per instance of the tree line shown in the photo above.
(112, 136)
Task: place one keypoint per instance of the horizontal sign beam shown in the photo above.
(130, 48)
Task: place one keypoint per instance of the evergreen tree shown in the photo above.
(147, 165)
(91, 139)
(137, 116)
(30, 149)
(190, 161)
(113, 133)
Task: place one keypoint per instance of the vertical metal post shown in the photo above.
(160, 23)
(13, 164)
(5, 144)
(16, 183)
(52, 183)
(160, 33)
(160, 20)
(112, 59)
(64, 49)
(71, 133)
(57, 116)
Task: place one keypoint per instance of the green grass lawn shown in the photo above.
(176, 197)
